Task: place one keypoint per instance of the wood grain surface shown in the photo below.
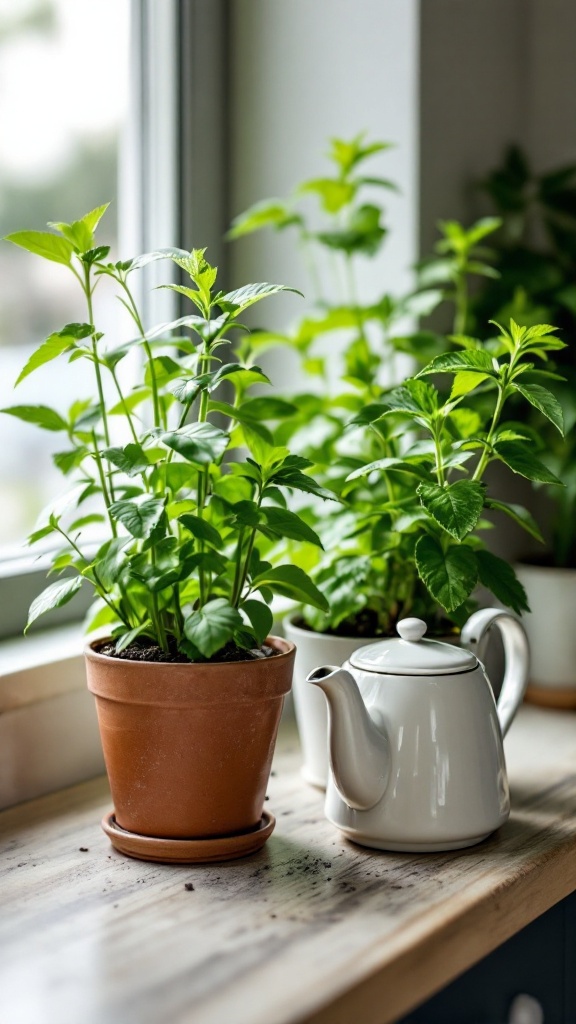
(311, 929)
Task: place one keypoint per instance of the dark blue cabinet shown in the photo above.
(540, 961)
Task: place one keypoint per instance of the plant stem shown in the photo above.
(159, 415)
(101, 474)
(460, 299)
(203, 474)
(436, 434)
(249, 549)
(485, 457)
(124, 405)
(237, 587)
(98, 583)
(88, 293)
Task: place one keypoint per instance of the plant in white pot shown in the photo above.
(535, 254)
(368, 576)
(189, 685)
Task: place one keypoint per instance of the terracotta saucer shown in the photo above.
(188, 851)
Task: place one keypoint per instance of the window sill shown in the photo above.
(48, 729)
(311, 930)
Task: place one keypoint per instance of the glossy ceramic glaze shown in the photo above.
(417, 760)
(314, 649)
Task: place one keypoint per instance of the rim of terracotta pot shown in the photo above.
(184, 683)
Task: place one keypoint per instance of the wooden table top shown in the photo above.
(311, 929)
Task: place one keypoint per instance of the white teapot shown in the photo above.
(416, 754)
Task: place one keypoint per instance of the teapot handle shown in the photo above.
(516, 653)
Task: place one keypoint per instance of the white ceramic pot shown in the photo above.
(551, 629)
(313, 649)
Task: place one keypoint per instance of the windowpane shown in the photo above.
(63, 99)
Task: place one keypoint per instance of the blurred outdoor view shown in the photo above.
(63, 99)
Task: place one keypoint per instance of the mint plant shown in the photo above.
(438, 514)
(190, 517)
(368, 570)
(535, 256)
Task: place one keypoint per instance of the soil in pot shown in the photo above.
(141, 650)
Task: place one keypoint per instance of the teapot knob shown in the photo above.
(411, 629)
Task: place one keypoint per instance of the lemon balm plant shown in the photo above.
(181, 566)
(182, 578)
(438, 516)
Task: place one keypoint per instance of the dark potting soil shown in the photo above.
(146, 651)
(365, 625)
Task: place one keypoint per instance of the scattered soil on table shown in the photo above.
(146, 651)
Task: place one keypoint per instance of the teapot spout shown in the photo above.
(359, 750)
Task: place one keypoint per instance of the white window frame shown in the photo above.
(172, 191)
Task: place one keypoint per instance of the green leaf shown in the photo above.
(81, 232)
(501, 581)
(269, 213)
(291, 581)
(212, 626)
(466, 382)
(40, 415)
(48, 350)
(93, 517)
(544, 401)
(400, 465)
(290, 475)
(125, 639)
(268, 407)
(519, 514)
(138, 516)
(67, 461)
(455, 508)
(334, 194)
(363, 234)
(260, 616)
(45, 244)
(40, 534)
(416, 396)
(131, 459)
(200, 443)
(473, 361)
(111, 561)
(185, 389)
(284, 523)
(202, 530)
(54, 596)
(518, 457)
(449, 575)
(241, 298)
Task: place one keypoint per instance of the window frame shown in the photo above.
(173, 190)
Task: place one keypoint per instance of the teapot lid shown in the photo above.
(412, 655)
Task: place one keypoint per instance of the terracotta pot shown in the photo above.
(188, 747)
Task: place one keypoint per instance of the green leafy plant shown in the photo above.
(190, 517)
(370, 570)
(534, 253)
(437, 518)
